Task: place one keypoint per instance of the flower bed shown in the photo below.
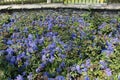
(53, 45)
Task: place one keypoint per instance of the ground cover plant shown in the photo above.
(58, 45)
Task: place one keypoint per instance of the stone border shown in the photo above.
(55, 6)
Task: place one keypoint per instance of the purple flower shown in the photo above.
(50, 25)
(108, 72)
(107, 52)
(58, 70)
(12, 20)
(60, 78)
(52, 46)
(46, 74)
(38, 70)
(44, 58)
(86, 78)
(82, 65)
(19, 77)
(113, 21)
(30, 36)
(42, 65)
(19, 57)
(84, 69)
(78, 69)
(8, 57)
(73, 68)
(82, 33)
(26, 63)
(103, 64)
(10, 51)
(52, 58)
(34, 23)
(62, 65)
(115, 40)
(33, 45)
(102, 26)
(23, 54)
(25, 30)
(24, 73)
(2, 52)
(58, 49)
(13, 60)
(30, 76)
(73, 35)
(16, 29)
(9, 42)
(88, 63)
(81, 21)
(30, 50)
(40, 41)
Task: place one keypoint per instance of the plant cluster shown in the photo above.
(52, 45)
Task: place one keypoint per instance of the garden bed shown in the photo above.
(59, 45)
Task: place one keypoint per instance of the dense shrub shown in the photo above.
(59, 46)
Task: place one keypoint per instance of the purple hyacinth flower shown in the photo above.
(78, 69)
(30, 36)
(73, 68)
(84, 69)
(12, 20)
(19, 77)
(107, 52)
(30, 50)
(41, 41)
(2, 52)
(42, 65)
(88, 63)
(81, 21)
(103, 64)
(18, 57)
(60, 78)
(44, 58)
(62, 65)
(86, 78)
(58, 70)
(38, 70)
(52, 58)
(50, 25)
(73, 35)
(102, 26)
(33, 45)
(8, 57)
(46, 74)
(30, 76)
(9, 42)
(26, 63)
(108, 72)
(58, 49)
(24, 74)
(10, 51)
(25, 30)
(52, 46)
(13, 60)
(113, 21)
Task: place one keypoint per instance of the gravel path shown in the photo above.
(39, 6)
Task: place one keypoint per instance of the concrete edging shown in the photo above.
(82, 6)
